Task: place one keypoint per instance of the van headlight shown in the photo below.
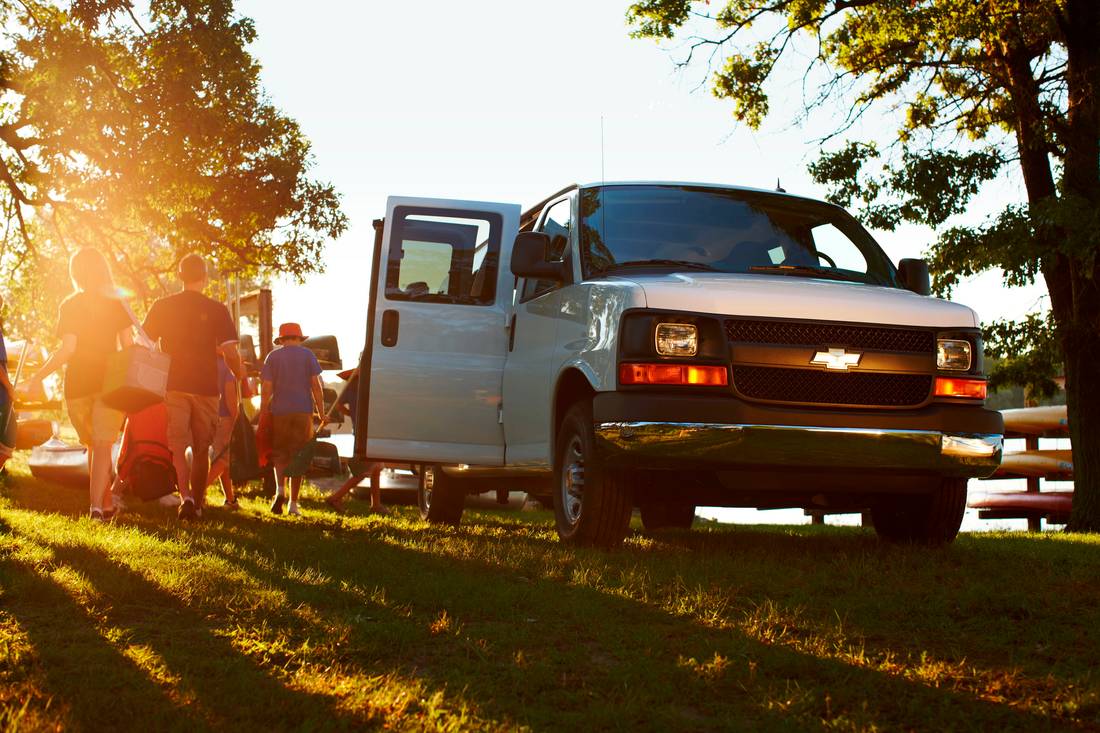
(953, 354)
(677, 339)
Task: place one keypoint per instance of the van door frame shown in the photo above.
(362, 407)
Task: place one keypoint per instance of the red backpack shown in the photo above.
(145, 467)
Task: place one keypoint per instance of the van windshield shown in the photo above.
(696, 229)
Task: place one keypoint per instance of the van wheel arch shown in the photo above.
(572, 387)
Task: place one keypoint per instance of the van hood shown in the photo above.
(782, 296)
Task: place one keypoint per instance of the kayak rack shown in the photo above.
(1034, 465)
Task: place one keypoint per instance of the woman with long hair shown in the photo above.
(93, 325)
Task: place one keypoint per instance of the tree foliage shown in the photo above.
(143, 130)
(979, 89)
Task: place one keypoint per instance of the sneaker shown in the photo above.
(187, 511)
(231, 505)
(96, 515)
(277, 505)
(293, 510)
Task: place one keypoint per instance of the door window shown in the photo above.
(558, 224)
(441, 256)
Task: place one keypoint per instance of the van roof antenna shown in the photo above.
(603, 170)
(778, 187)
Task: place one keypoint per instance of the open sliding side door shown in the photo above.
(432, 369)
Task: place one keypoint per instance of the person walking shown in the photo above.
(7, 398)
(93, 324)
(228, 408)
(349, 403)
(192, 329)
(291, 394)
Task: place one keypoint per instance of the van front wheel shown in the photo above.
(592, 504)
(441, 498)
(923, 519)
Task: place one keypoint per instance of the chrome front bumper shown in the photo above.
(718, 445)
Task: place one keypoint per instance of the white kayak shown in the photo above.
(1037, 420)
(1054, 464)
(61, 462)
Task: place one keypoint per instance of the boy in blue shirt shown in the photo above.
(291, 393)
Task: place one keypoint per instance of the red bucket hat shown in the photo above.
(289, 330)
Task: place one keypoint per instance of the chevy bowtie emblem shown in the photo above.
(836, 359)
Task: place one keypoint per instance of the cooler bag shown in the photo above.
(136, 378)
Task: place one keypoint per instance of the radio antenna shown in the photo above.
(603, 173)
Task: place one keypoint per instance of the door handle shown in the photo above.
(512, 333)
(391, 319)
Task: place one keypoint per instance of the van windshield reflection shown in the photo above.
(671, 228)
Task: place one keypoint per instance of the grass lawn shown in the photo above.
(256, 622)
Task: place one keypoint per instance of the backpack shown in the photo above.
(244, 457)
(145, 468)
(150, 478)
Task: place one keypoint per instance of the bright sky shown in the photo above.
(501, 100)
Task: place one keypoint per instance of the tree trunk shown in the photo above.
(1079, 317)
(1079, 323)
(1081, 346)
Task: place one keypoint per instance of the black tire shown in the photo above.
(658, 515)
(441, 497)
(592, 504)
(923, 519)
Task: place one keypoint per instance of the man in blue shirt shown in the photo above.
(291, 392)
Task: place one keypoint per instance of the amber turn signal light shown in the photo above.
(974, 389)
(678, 374)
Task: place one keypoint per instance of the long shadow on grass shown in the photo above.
(229, 689)
(1016, 603)
(554, 655)
(81, 670)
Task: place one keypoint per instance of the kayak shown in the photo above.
(1052, 464)
(61, 463)
(1057, 503)
(33, 432)
(1050, 420)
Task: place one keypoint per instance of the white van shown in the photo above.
(665, 346)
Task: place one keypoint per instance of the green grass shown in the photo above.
(255, 622)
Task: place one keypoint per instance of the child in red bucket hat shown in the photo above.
(290, 397)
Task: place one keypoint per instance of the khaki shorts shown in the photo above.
(93, 420)
(222, 436)
(289, 434)
(192, 421)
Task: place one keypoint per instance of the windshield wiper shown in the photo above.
(684, 264)
(800, 271)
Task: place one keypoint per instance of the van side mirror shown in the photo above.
(529, 258)
(914, 276)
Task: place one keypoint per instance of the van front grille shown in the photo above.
(877, 338)
(851, 389)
